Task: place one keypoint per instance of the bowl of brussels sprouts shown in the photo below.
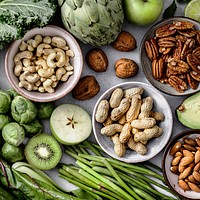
(45, 64)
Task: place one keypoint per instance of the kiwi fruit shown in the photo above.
(43, 151)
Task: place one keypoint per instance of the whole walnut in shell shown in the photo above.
(125, 68)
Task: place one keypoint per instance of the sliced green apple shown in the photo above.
(70, 124)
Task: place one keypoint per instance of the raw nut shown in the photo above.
(167, 42)
(124, 42)
(97, 60)
(177, 83)
(182, 184)
(182, 25)
(165, 31)
(102, 111)
(151, 48)
(194, 62)
(175, 148)
(192, 82)
(194, 187)
(125, 68)
(158, 68)
(86, 88)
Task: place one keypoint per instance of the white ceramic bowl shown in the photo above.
(171, 178)
(146, 63)
(156, 144)
(63, 88)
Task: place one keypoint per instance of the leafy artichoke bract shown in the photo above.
(95, 22)
(23, 110)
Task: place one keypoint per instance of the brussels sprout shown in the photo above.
(13, 133)
(32, 128)
(4, 119)
(45, 110)
(12, 153)
(23, 110)
(5, 101)
(12, 93)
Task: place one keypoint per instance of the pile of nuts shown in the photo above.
(186, 163)
(175, 55)
(129, 120)
(42, 62)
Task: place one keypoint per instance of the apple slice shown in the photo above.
(70, 124)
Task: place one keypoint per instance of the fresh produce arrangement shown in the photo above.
(41, 138)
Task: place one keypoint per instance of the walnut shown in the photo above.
(125, 68)
(97, 60)
(124, 42)
(86, 88)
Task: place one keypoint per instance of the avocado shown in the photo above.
(188, 113)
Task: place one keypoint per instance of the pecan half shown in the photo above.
(158, 68)
(177, 83)
(187, 48)
(177, 66)
(188, 33)
(198, 36)
(192, 82)
(183, 25)
(165, 31)
(182, 38)
(194, 62)
(164, 50)
(178, 50)
(167, 42)
(195, 75)
(196, 52)
(151, 48)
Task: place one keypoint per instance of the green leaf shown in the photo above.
(169, 12)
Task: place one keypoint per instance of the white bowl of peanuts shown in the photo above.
(170, 56)
(45, 64)
(181, 164)
(132, 122)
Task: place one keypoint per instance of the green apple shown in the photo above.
(143, 12)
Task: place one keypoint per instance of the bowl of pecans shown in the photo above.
(181, 164)
(45, 64)
(129, 123)
(170, 56)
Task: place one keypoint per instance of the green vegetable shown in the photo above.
(30, 184)
(5, 101)
(93, 22)
(23, 110)
(32, 128)
(18, 16)
(4, 119)
(45, 110)
(12, 153)
(112, 179)
(13, 133)
(12, 93)
(5, 195)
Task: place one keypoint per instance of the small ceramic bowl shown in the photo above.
(63, 88)
(146, 63)
(171, 178)
(155, 145)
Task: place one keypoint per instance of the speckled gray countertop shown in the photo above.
(108, 78)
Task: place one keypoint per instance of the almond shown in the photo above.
(175, 148)
(178, 154)
(189, 147)
(181, 168)
(190, 141)
(197, 157)
(192, 179)
(198, 141)
(176, 160)
(182, 184)
(174, 169)
(185, 173)
(196, 175)
(194, 187)
(187, 153)
(186, 160)
(197, 167)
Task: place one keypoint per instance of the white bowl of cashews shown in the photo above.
(132, 122)
(45, 65)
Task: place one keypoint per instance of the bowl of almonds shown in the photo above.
(129, 124)
(170, 56)
(45, 64)
(181, 164)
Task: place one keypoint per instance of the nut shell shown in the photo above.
(125, 68)
(86, 88)
(124, 42)
(97, 60)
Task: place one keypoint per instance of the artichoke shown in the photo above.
(95, 22)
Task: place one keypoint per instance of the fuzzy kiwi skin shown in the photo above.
(33, 160)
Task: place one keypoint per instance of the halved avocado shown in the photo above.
(188, 113)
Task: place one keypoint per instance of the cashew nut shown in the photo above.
(69, 67)
(50, 60)
(40, 48)
(58, 42)
(22, 77)
(42, 63)
(61, 58)
(31, 69)
(37, 40)
(70, 53)
(26, 62)
(48, 51)
(46, 73)
(23, 54)
(60, 72)
(18, 68)
(47, 39)
(31, 77)
(29, 43)
(47, 86)
(38, 83)
(54, 84)
(23, 46)
(41, 89)
(26, 85)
